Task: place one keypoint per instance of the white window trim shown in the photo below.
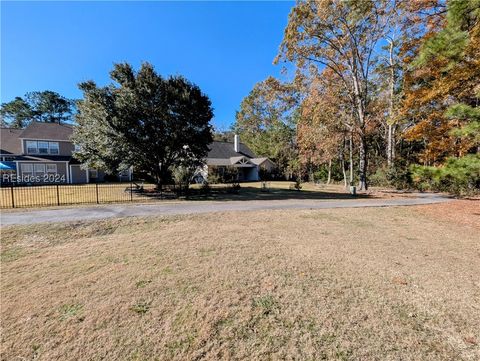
(47, 147)
(36, 147)
(24, 165)
(39, 165)
(67, 168)
(54, 166)
(50, 147)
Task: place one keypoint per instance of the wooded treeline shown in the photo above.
(42, 106)
(382, 92)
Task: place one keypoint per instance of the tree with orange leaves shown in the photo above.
(341, 36)
(445, 72)
(325, 124)
(442, 101)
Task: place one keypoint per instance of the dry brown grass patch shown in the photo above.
(371, 284)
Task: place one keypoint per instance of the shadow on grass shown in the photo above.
(246, 193)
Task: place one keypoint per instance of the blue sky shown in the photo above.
(224, 47)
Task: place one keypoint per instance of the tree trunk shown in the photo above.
(362, 165)
(159, 177)
(394, 129)
(159, 182)
(350, 149)
(389, 145)
(361, 121)
(342, 162)
(329, 174)
(391, 131)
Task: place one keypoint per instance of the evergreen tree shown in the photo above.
(144, 121)
(446, 71)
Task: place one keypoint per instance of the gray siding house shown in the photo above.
(43, 153)
(236, 155)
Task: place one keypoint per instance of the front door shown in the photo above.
(77, 174)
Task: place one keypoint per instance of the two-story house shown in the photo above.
(42, 153)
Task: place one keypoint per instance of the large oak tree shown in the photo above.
(142, 120)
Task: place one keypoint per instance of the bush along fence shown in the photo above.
(21, 196)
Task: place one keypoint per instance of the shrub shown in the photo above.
(182, 176)
(458, 175)
(265, 175)
(226, 174)
(398, 176)
(214, 175)
(320, 175)
(230, 175)
(298, 184)
(379, 178)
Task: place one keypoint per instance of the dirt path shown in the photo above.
(122, 210)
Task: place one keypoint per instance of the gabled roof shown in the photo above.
(218, 161)
(234, 160)
(238, 161)
(226, 150)
(47, 131)
(260, 161)
(9, 141)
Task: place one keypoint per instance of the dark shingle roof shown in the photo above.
(9, 141)
(226, 150)
(47, 131)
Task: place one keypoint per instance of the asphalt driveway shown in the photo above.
(186, 207)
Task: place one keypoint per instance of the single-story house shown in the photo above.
(237, 155)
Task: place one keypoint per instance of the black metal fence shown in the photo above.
(21, 196)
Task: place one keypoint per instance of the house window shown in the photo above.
(53, 146)
(32, 147)
(92, 173)
(39, 169)
(42, 147)
(51, 168)
(27, 168)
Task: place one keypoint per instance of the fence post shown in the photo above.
(131, 192)
(13, 196)
(96, 191)
(58, 196)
